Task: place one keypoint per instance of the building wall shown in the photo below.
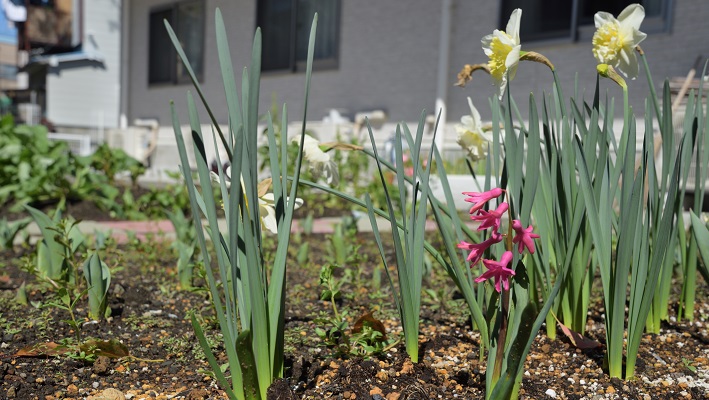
(388, 60)
(87, 93)
(393, 46)
(670, 54)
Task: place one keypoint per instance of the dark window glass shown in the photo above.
(541, 19)
(546, 19)
(588, 8)
(275, 17)
(187, 20)
(285, 26)
(190, 23)
(160, 60)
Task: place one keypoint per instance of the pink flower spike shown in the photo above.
(480, 198)
(524, 237)
(477, 250)
(499, 271)
(490, 219)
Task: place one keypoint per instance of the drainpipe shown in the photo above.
(123, 77)
(442, 80)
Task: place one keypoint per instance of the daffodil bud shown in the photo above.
(607, 71)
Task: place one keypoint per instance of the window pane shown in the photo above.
(160, 60)
(653, 8)
(541, 19)
(275, 19)
(190, 25)
(326, 38)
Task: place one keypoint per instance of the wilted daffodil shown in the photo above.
(471, 136)
(615, 39)
(503, 48)
(320, 163)
(266, 201)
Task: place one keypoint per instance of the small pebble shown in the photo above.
(551, 393)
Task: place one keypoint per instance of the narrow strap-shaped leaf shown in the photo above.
(195, 81)
(196, 215)
(382, 253)
(701, 237)
(213, 360)
(276, 288)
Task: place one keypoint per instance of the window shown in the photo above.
(187, 20)
(285, 29)
(552, 19)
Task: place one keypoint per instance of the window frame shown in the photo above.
(175, 60)
(295, 65)
(579, 31)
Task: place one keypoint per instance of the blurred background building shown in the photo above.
(105, 69)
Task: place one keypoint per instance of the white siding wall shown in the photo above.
(86, 94)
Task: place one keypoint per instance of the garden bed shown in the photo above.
(150, 317)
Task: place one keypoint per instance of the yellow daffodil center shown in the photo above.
(607, 43)
(498, 57)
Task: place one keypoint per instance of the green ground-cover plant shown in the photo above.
(112, 161)
(38, 171)
(33, 168)
(250, 305)
(365, 338)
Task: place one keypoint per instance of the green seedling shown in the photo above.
(61, 238)
(98, 279)
(10, 230)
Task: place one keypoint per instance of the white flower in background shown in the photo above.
(503, 48)
(471, 136)
(615, 39)
(267, 210)
(266, 201)
(320, 163)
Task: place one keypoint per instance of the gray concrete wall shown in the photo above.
(388, 60)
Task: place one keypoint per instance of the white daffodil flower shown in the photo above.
(320, 163)
(267, 210)
(471, 136)
(503, 48)
(266, 201)
(615, 39)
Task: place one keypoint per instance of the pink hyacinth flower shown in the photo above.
(524, 237)
(480, 198)
(490, 219)
(477, 250)
(499, 271)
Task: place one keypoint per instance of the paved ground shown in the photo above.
(122, 230)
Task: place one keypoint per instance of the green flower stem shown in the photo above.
(504, 309)
(501, 334)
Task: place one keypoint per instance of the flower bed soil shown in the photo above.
(150, 317)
